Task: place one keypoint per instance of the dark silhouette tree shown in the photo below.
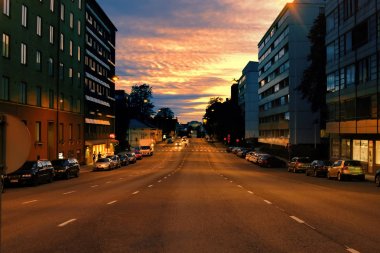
(164, 119)
(140, 103)
(313, 83)
(164, 112)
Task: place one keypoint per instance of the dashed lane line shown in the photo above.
(150, 186)
(66, 193)
(268, 202)
(29, 202)
(136, 192)
(112, 202)
(352, 250)
(93, 186)
(250, 192)
(66, 222)
(297, 219)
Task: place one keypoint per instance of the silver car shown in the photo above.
(104, 164)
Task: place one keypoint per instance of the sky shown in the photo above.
(188, 51)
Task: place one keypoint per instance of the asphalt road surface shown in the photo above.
(196, 198)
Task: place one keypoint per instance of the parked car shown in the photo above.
(138, 155)
(104, 164)
(115, 161)
(123, 159)
(318, 168)
(270, 161)
(377, 178)
(344, 169)
(66, 168)
(32, 172)
(297, 164)
(249, 155)
(131, 157)
(255, 157)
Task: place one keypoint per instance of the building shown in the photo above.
(99, 79)
(248, 100)
(138, 131)
(40, 69)
(286, 119)
(352, 48)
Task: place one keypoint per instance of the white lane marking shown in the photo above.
(150, 186)
(135, 192)
(165, 177)
(94, 186)
(68, 192)
(159, 181)
(297, 219)
(268, 202)
(310, 226)
(250, 192)
(231, 181)
(108, 182)
(121, 178)
(66, 222)
(240, 186)
(28, 202)
(111, 202)
(352, 250)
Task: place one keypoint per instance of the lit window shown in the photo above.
(71, 20)
(62, 12)
(6, 7)
(79, 27)
(50, 67)
(39, 26)
(52, 5)
(71, 47)
(23, 54)
(5, 47)
(80, 4)
(61, 42)
(24, 15)
(79, 57)
(51, 35)
(38, 60)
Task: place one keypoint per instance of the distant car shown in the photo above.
(318, 168)
(123, 159)
(297, 164)
(115, 161)
(146, 150)
(270, 161)
(377, 178)
(131, 157)
(344, 169)
(104, 164)
(66, 168)
(255, 157)
(32, 172)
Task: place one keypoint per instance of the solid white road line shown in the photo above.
(352, 250)
(66, 222)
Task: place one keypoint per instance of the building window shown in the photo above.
(80, 4)
(39, 26)
(61, 70)
(79, 57)
(38, 131)
(70, 73)
(349, 7)
(38, 60)
(79, 27)
(350, 75)
(346, 149)
(51, 35)
(62, 12)
(360, 35)
(38, 96)
(4, 88)
(71, 48)
(60, 134)
(61, 42)
(51, 99)
(6, 7)
(52, 5)
(78, 107)
(377, 152)
(71, 20)
(5, 47)
(23, 54)
(360, 150)
(22, 93)
(24, 15)
(331, 82)
(50, 67)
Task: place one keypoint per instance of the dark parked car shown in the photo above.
(298, 164)
(123, 159)
(318, 168)
(377, 178)
(131, 157)
(66, 168)
(32, 172)
(271, 161)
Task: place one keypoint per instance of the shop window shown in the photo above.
(360, 150)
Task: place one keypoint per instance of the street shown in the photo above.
(196, 198)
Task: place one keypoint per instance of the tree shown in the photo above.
(164, 112)
(313, 83)
(139, 102)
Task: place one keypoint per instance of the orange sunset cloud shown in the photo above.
(187, 50)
